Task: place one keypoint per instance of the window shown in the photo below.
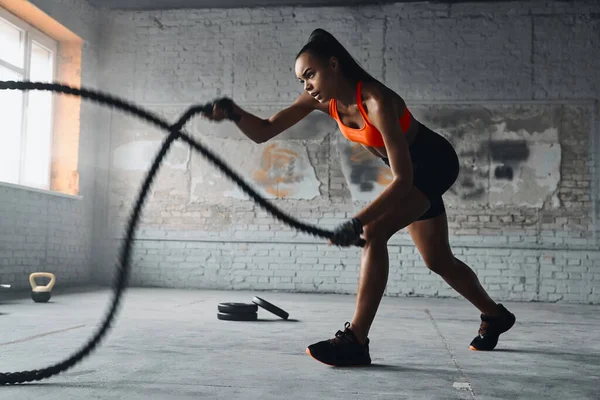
(26, 131)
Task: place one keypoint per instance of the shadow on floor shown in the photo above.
(593, 359)
(276, 320)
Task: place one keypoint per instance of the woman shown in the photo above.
(424, 166)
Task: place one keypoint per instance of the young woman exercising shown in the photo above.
(424, 166)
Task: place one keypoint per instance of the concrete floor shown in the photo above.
(168, 344)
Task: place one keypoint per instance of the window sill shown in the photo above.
(42, 191)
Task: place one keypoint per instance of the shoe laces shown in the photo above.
(343, 336)
(487, 324)
(483, 328)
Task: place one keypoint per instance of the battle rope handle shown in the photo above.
(120, 282)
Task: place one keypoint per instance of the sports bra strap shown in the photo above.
(359, 103)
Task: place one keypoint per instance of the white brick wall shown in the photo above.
(513, 274)
(428, 52)
(42, 231)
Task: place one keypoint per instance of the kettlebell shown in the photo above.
(41, 294)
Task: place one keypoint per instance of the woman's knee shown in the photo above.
(375, 232)
(442, 265)
(437, 267)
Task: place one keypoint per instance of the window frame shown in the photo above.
(31, 34)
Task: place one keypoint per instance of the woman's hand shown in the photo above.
(222, 108)
(347, 234)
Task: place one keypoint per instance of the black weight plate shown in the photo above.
(270, 307)
(237, 307)
(237, 316)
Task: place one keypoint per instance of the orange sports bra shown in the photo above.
(368, 135)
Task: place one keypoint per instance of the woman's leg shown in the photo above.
(431, 238)
(350, 347)
(375, 262)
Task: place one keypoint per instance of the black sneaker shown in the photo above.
(491, 328)
(343, 350)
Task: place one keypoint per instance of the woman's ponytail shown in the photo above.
(324, 45)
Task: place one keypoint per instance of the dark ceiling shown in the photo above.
(189, 4)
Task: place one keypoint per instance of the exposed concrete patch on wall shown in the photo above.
(539, 176)
(134, 145)
(138, 155)
(126, 128)
(276, 169)
(526, 143)
(366, 174)
(510, 154)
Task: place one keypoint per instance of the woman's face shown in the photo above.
(319, 78)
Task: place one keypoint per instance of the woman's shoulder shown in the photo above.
(376, 94)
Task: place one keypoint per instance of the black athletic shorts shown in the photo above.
(435, 168)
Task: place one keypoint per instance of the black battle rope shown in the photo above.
(120, 282)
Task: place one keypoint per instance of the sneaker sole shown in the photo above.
(333, 365)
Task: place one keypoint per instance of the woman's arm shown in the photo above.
(384, 117)
(260, 130)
